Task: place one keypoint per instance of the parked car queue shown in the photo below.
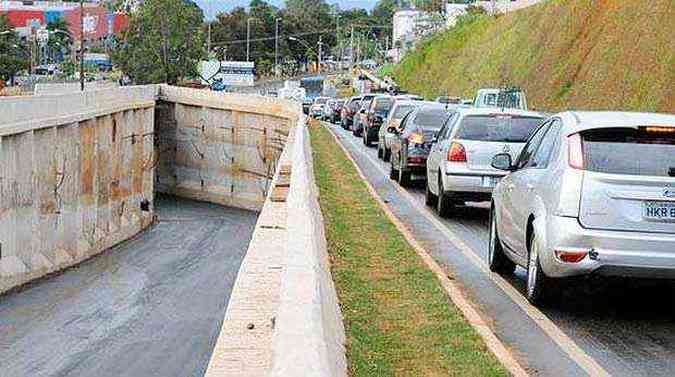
(572, 194)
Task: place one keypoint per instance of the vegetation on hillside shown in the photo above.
(566, 54)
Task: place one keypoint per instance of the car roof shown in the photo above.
(465, 111)
(407, 102)
(578, 121)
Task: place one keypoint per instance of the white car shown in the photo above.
(591, 193)
(459, 166)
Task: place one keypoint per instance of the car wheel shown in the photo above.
(387, 154)
(444, 204)
(403, 178)
(497, 260)
(429, 197)
(537, 282)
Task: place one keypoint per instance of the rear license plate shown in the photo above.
(489, 182)
(658, 211)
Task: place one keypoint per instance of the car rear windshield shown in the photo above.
(383, 105)
(432, 119)
(498, 128)
(646, 151)
(355, 104)
(402, 110)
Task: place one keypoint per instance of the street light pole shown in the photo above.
(248, 39)
(319, 59)
(82, 45)
(276, 49)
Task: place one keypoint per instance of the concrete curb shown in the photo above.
(453, 290)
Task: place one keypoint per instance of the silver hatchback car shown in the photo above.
(591, 192)
(459, 164)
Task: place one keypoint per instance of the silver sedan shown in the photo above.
(591, 192)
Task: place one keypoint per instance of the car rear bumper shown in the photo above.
(615, 253)
(471, 181)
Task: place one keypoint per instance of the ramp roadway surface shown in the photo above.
(151, 306)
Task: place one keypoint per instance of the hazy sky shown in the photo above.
(213, 7)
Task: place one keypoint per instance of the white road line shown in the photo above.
(585, 362)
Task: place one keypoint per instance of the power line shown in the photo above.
(327, 31)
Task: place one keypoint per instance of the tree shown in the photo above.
(60, 39)
(164, 42)
(11, 59)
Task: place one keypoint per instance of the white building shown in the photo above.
(454, 11)
(409, 25)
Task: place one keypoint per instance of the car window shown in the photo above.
(408, 119)
(431, 118)
(498, 128)
(450, 125)
(383, 105)
(525, 158)
(401, 110)
(548, 143)
(643, 151)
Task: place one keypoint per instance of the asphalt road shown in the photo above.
(152, 306)
(600, 326)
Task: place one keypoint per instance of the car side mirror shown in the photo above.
(392, 130)
(503, 161)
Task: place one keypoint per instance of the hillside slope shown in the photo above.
(566, 54)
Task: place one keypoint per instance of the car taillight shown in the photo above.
(575, 155)
(456, 153)
(416, 138)
(571, 256)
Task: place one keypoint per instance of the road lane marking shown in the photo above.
(576, 353)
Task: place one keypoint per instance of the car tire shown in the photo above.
(403, 178)
(537, 288)
(444, 204)
(393, 173)
(497, 260)
(429, 197)
(386, 154)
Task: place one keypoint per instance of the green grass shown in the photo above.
(566, 54)
(398, 319)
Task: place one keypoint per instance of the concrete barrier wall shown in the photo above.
(309, 339)
(283, 317)
(74, 170)
(218, 147)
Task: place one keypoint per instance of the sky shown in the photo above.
(213, 7)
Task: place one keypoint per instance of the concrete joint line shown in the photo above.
(585, 362)
(454, 292)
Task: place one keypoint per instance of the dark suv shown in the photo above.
(348, 110)
(375, 116)
(413, 139)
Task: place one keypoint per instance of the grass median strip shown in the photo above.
(398, 319)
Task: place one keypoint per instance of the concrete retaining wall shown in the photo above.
(74, 170)
(220, 148)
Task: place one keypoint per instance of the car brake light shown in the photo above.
(575, 152)
(416, 138)
(456, 153)
(571, 256)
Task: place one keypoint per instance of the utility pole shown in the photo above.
(248, 39)
(351, 51)
(276, 49)
(320, 48)
(82, 45)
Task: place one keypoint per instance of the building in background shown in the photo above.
(27, 17)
